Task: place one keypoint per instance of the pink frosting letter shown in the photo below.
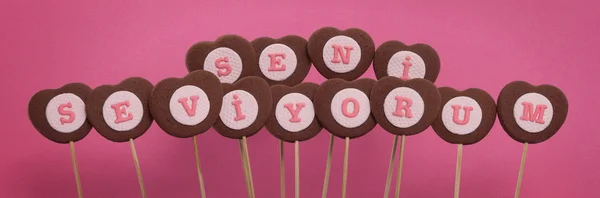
(238, 108)
(275, 61)
(407, 64)
(400, 104)
(190, 111)
(121, 112)
(467, 116)
(337, 52)
(355, 110)
(539, 112)
(222, 63)
(290, 107)
(66, 112)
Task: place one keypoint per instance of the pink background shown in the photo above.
(484, 44)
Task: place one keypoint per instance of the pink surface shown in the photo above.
(47, 44)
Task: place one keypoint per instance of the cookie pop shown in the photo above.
(403, 108)
(293, 120)
(284, 63)
(244, 112)
(396, 59)
(186, 107)
(121, 113)
(59, 115)
(531, 114)
(465, 118)
(341, 54)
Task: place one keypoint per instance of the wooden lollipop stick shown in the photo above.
(241, 144)
(245, 143)
(297, 167)
(400, 162)
(521, 169)
(137, 168)
(200, 178)
(75, 169)
(458, 166)
(282, 168)
(388, 181)
(328, 167)
(345, 169)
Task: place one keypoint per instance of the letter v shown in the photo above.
(190, 111)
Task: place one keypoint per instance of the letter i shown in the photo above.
(407, 64)
(238, 108)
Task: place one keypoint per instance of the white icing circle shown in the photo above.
(248, 109)
(284, 116)
(364, 110)
(135, 109)
(233, 60)
(535, 99)
(475, 115)
(60, 109)
(284, 55)
(400, 119)
(179, 112)
(396, 66)
(329, 54)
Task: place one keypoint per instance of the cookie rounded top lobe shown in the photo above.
(293, 114)
(405, 107)
(185, 107)
(341, 54)
(121, 112)
(245, 108)
(282, 61)
(394, 58)
(343, 107)
(230, 58)
(59, 114)
(531, 114)
(465, 117)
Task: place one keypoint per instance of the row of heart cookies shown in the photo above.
(188, 106)
(347, 54)
(246, 86)
(344, 54)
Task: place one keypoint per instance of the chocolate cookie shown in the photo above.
(343, 107)
(465, 117)
(120, 112)
(343, 54)
(59, 114)
(245, 109)
(293, 113)
(230, 58)
(394, 58)
(405, 107)
(282, 61)
(530, 113)
(185, 107)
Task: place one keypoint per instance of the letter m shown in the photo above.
(530, 115)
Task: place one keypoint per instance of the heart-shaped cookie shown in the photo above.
(282, 61)
(293, 113)
(230, 58)
(245, 109)
(188, 106)
(343, 107)
(341, 54)
(59, 114)
(120, 112)
(394, 58)
(465, 117)
(404, 107)
(530, 113)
